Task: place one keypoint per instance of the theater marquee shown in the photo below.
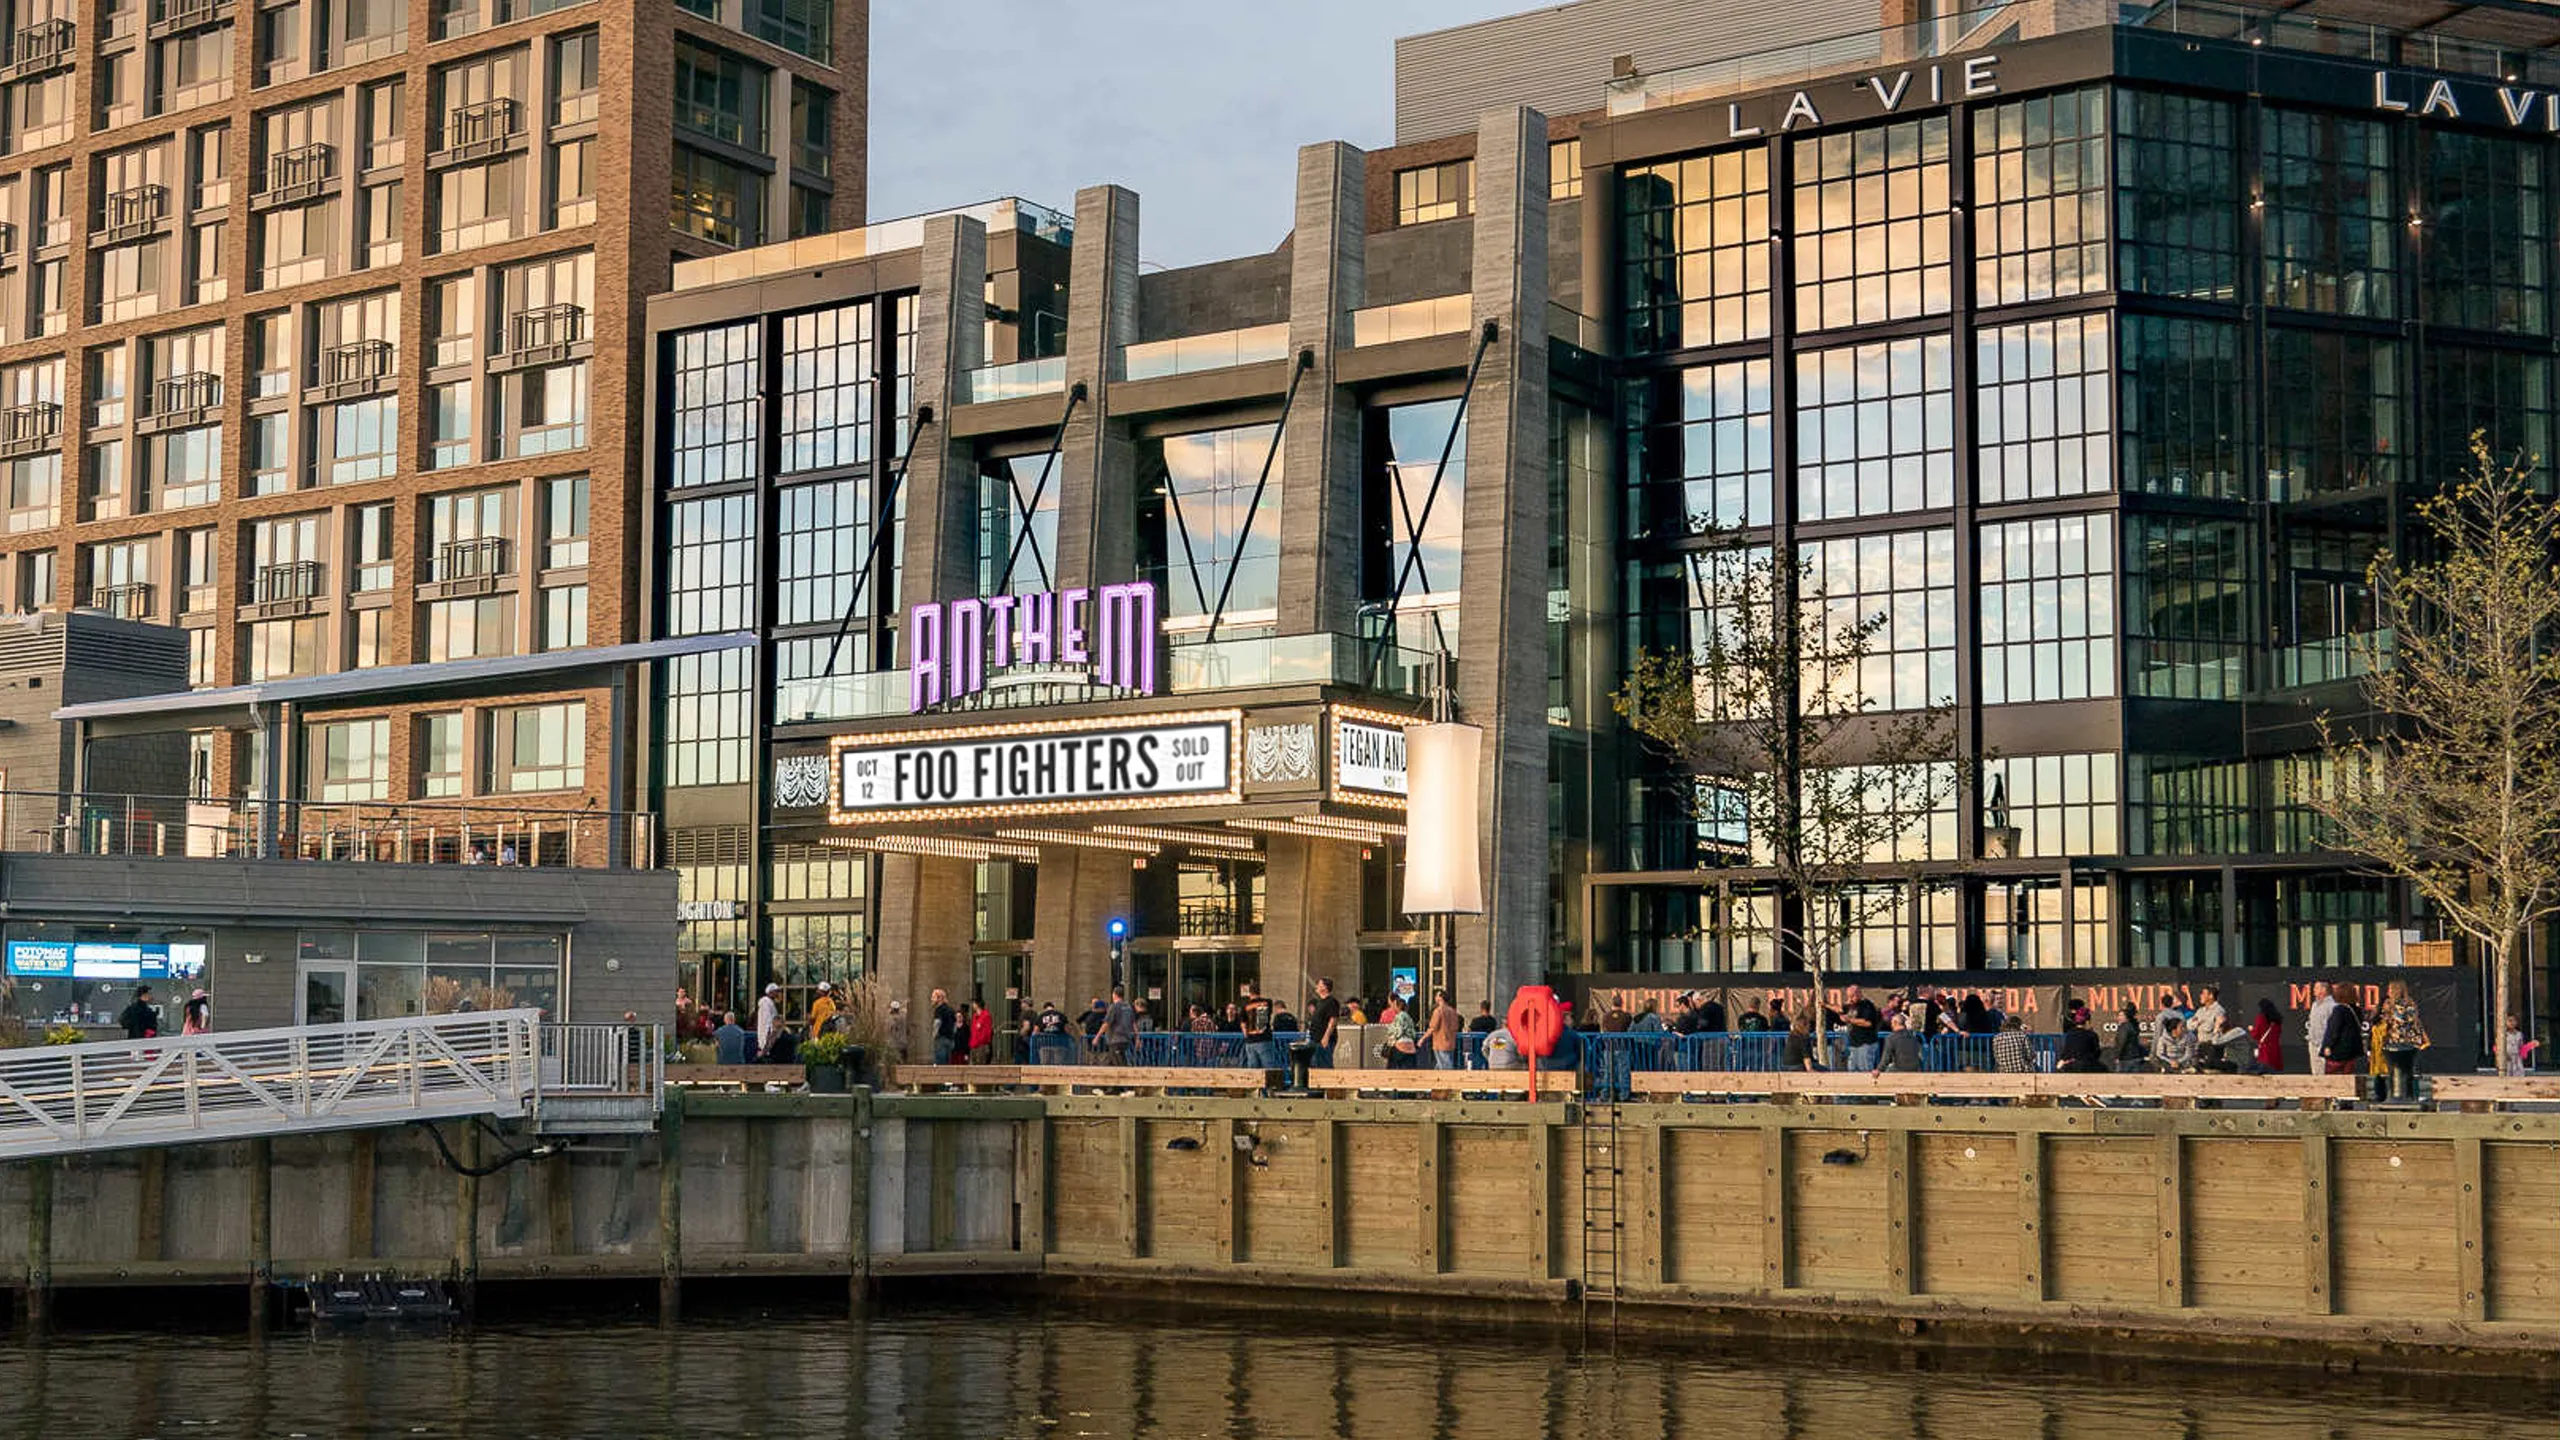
(1010, 771)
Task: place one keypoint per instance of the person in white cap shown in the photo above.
(768, 1021)
(822, 1011)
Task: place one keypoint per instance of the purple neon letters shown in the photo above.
(954, 645)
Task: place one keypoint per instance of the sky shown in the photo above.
(1198, 105)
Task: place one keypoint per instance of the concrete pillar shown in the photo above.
(1502, 675)
(1310, 918)
(1320, 495)
(1097, 508)
(1080, 891)
(927, 910)
(941, 544)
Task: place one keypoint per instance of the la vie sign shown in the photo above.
(1864, 98)
(2521, 107)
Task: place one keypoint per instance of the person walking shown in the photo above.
(1119, 1027)
(2211, 1025)
(1445, 1024)
(1401, 1047)
(1324, 1017)
(2401, 1033)
(197, 1017)
(1864, 1023)
(2129, 1052)
(2511, 1048)
(2267, 1033)
(2315, 1026)
(768, 1022)
(140, 1019)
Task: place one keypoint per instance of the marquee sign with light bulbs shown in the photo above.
(989, 772)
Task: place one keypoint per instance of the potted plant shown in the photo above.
(823, 1056)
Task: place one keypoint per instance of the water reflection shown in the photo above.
(1001, 1369)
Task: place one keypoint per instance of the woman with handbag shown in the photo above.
(2400, 1034)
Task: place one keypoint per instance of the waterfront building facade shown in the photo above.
(2097, 350)
(316, 340)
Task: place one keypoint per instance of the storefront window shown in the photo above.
(62, 974)
(1204, 534)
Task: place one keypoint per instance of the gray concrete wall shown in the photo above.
(1416, 262)
(1222, 295)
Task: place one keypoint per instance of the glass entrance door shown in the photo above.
(326, 986)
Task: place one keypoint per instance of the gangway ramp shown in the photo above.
(197, 1089)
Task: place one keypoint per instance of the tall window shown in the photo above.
(440, 755)
(1907, 577)
(2177, 196)
(2330, 218)
(537, 747)
(1700, 449)
(358, 440)
(720, 95)
(2050, 805)
(1017, 524)
(714, 430)
(348, 760)
(547, 409)
(2482, 252)
(1694, 234)
(822, 532)
(2045, 422)
(1436, 192)
(2333, 413)
(1200, 531)
(2048, 609)
(1871, 225)
(711, 565)
(1564, 169)
(2040, 198)
(1411, 557)
(829, 387)
(2182, 386)
(2185, 599)
(715, 199)
(1875, 428)
(564, 522)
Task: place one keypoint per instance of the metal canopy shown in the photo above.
(236, 705)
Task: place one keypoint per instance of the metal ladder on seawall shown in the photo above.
(1604, 1229)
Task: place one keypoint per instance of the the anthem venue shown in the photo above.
(2098, 347)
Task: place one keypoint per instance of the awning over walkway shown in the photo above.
(237, 705)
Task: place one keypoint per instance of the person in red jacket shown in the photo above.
(2266, 1029)
(982, 1035)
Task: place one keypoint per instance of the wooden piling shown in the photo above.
(671, 1208)
(262, 1229)
(39, 1291)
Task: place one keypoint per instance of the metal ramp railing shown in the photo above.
(181, 1090)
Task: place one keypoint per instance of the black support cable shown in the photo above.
(1253, 507)
(1039, 490)
(881, 526)
(1413, 553)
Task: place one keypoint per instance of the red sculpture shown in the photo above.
(1537, 1021)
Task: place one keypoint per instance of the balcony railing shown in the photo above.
(125, 602)
(298, 174)
(471, 131)
(358, 363)
(417, 833)
(1014, 381)
(1412, 320)
(183, 394)
(37, 48)
(550, 329)
(171, 17)
(482, 559)
(126, 214)
(36, 426)
(1190, 353)
(290, 580)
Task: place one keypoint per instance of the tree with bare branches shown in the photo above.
(1773, 710)
(2451, 779)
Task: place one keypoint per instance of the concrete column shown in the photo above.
(941, 545)
(1080, 891)
(1310, 918)
(1320, 463)
(1502, 640)
(1097, 509)
(927, 910)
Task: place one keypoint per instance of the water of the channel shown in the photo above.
(1000, 1368)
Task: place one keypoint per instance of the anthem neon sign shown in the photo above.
(954, 647)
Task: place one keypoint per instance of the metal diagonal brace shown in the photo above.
(1040, 489)
(1253, 507)
(1457, 426)
(880, 527)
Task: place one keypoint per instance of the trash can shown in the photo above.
(1301, 1058)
